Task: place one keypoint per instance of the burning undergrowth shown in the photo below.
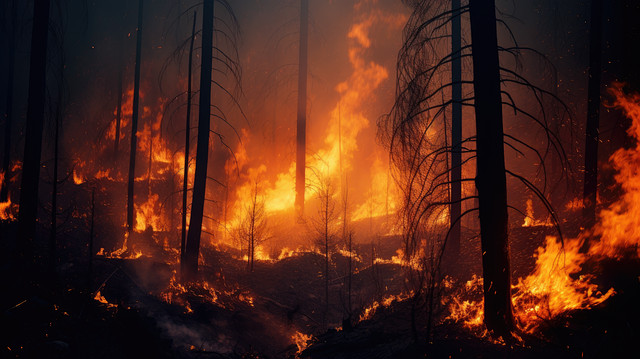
(565, 277)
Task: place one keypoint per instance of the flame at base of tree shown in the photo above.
(557, 286)
(8, 209)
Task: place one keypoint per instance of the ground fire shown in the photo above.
(320, 179)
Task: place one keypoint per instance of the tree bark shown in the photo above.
(134, 124)
(8, 115)
(301, 123)
(192, 247)
(593, 116)
(116, 143)
(91, 225)
(54, 190)
(491, 179)
(187, 145)
(27, 216)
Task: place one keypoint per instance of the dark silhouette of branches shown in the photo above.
(416, 129)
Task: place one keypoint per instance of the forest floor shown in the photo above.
(259, 314)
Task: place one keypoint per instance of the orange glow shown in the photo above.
(369, 311)
(551, 290)
(301, 340)
(7, 208)
(530, 221)
(334, 157)
(619, 225)
(100, 298)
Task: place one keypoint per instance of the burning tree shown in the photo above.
(134, 124)
(416, 133)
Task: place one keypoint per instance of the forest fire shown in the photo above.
(307, 179)
(558, 285)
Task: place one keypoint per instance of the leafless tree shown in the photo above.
(416, 133)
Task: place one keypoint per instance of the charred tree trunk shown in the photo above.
(116, 142)
(326, 258)
(192, 247)
(593, 116)
(456, 132)
(93, 209)
(491, 179)
(187, 145)
(8, 115)
(27, 217)
(134, 124)
(253, 228)
(54, 190)
(301, 124)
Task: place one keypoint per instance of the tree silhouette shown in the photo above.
(301, 123)
(27, 216)
(187, 145)
(134, 124)
(416, 129)
(230, 65)
(8, 112)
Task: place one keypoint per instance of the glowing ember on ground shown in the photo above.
(100, 298)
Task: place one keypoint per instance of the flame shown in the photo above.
(333, 159)
(575, 204)
(619, 225)
(149, 215)
(551, 290)
(382, 197)
(401, 259)
(120, 252)
(301, 340)
(368, 312)
(469, 312)
(7, 208)
(181, 294)
(530, 221)
(100, 298)
(78, 178)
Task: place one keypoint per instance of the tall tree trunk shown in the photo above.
(456, 132)
(301, 124)
(326, 257)
(187, 145)
(93, 210)
(134, 124)
(150, 162)
(593, 116)
(192, 247)
(27, 217)
(491, 179)
(8, 115)
(116, 142)
(54, 190)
